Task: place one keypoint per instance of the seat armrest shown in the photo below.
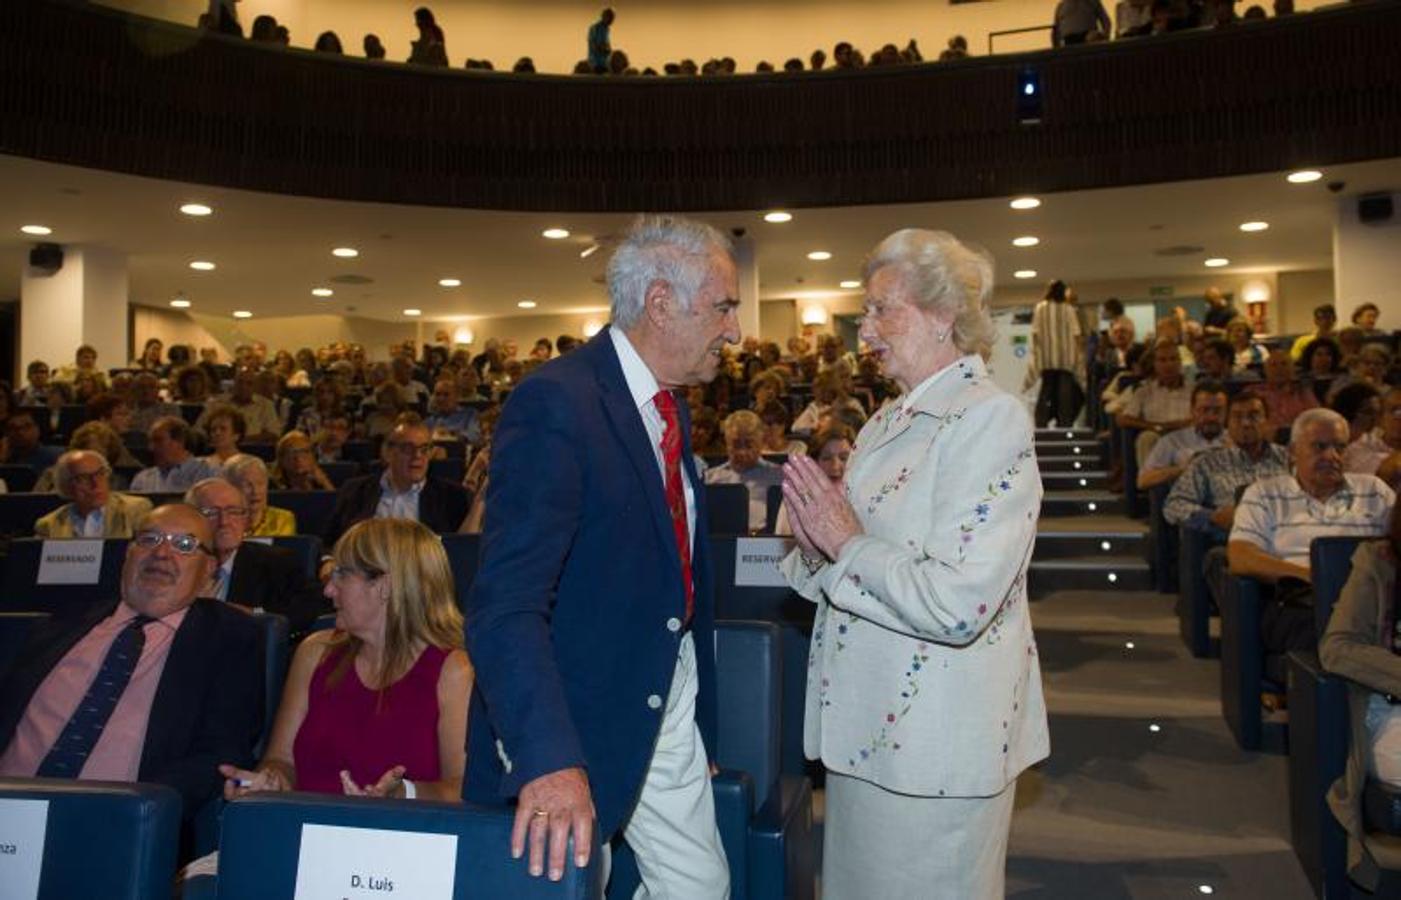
(734, 804)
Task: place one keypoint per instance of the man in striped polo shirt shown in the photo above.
(1279, 517)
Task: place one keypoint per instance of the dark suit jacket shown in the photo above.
(272, 578)
(568, 618)
(441, 506)
(208, 707)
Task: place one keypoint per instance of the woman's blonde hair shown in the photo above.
(942, 273)
(422, 607)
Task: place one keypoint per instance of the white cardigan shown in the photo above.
(923, 675)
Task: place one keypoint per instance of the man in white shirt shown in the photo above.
(84, 477)
(175, 469)
(1172, 454)
(1160, 405)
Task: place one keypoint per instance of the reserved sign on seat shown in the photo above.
(23, 824)
(70, 562)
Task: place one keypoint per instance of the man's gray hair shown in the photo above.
(1310, 417)
(942, 273)
(63, 477)
(660, 248)
(237, 467)
(192, 494)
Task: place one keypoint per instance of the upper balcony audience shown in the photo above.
(94, 510)
(79, 701)
(1325, 319)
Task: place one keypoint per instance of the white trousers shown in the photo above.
(672, 831)
(1384, 727)
(880, 844)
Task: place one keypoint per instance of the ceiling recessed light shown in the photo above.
(345, 252)
(850, 285)
(1217, 262)
(242, 314)
(778, 217)
(36, 230)
(201, 265)
(322, 292)
(196, 209)
(1025, 203)
(1025, 241)
(180, 303)
(819, 255)
(413, 312)
(588, 251)
(1024, 273)
(526, 304)
(555, 234)
(450, 282)
(1254, 226)
(1304, 176)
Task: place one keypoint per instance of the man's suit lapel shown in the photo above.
(170, 702)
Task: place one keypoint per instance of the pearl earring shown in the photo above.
(942, 337)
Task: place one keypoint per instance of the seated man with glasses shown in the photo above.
(94, 510)
(261, 577)
(403, 491)
(153, 685)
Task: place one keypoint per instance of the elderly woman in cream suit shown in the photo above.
(924, 693)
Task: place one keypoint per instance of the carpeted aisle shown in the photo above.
(1121, 810)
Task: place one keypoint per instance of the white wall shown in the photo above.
(1367, 262)
(85, 301)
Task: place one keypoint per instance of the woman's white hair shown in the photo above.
(237, 467)
(942, 274)
(660, 248)
(1310, 417)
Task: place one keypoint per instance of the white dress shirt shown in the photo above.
(394, 504)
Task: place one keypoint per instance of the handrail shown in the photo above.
(1007, 31)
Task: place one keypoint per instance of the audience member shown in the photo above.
(447, 419)
(226, 429)
(1284, 395)
(328, 42)
(1204, 496)
(94, 510)
(1159, 405)
(1176, 449)
(431, 48)
(296, 468)
(146, 403)
(1241, 337)
(600, 44)
(404, 490)
(250, 475)
(22, 446)
(775, 418)
(744, 438)
(1216, 361)
(99, 437)
(829, 394)
(84, 363)
(1132, 18)
(1369, 366)
(36, 392)
(1279, 517)
(264, 30)
(260, 577)
(79, 699)
(1324, 320)
(1057, 344)
(174, 469)
(1365, 317)
(957, 49)
(1373, 447)
(1361, 406)
(150, 358)
(328, 399)
(331, 438)
(189, 385)
(259, 414)
(1075, 19)
(831, 447)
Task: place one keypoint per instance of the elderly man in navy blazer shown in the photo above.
(591, 619)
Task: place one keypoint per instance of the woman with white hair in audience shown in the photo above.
(744, 441)
(250, 475)
(377, 706)
(924, 694)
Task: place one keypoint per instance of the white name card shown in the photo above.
(23, 824)
(757, 559)
(336, 862)
(266, 541)
(70, 562)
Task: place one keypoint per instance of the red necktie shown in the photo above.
(675, 493)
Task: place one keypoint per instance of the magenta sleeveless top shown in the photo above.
(348, 726)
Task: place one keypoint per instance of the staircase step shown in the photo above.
(1055, 544)
(1081, 502)
(1065, 434)
(1085, 478)
(1084, 449)
(1067, 463)
(1110, 572)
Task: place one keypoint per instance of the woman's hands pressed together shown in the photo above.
(822, 519)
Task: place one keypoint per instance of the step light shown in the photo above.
(1105, 546)
(1077, 465)
(1084, 482)
(1113, 578)
(1155, 728)
(1069, 435)
(1128, 645)
(1075, 450)
(1091, 507)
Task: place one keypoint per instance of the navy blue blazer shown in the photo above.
(570, 620)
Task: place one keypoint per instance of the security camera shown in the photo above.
(1337, 187)
(738, 232)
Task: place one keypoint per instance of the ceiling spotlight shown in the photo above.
(819, 256)
(345, 252)
(851, 285)
(588, 251)
(555, 234)
(322, 292)
(1217, 262)
(180, 303)
(1254, 226)
(450, 282)
(1304, 176)
(201, 265)
(36, 230)
(413, 312)
(526, 304)
(196, 209)
(778, 217)
(1024, 273)
(1025, 203)
(242, 314)
(1025, 241)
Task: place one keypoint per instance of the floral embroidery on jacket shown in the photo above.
(983, 509)
(882, 739)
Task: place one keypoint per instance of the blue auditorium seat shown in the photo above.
(729, 508)
(18, 479)
(1243, 665)
(264, 451)
(340, 471)
(19, 511)
(452, 469)
(307, 548)
(103, 839)
(1194, 598)
(1134, 501)
(773, 502)
(313, 509)
(1162, 545)
(20, 592)
(261, 840)
(14, 631)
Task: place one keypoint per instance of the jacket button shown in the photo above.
(654, 702)
(673, 624)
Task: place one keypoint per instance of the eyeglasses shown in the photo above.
(90, 479)
(1247, 417)
(340, 573)
(182, 543)
(227, 512)
(411, 449)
